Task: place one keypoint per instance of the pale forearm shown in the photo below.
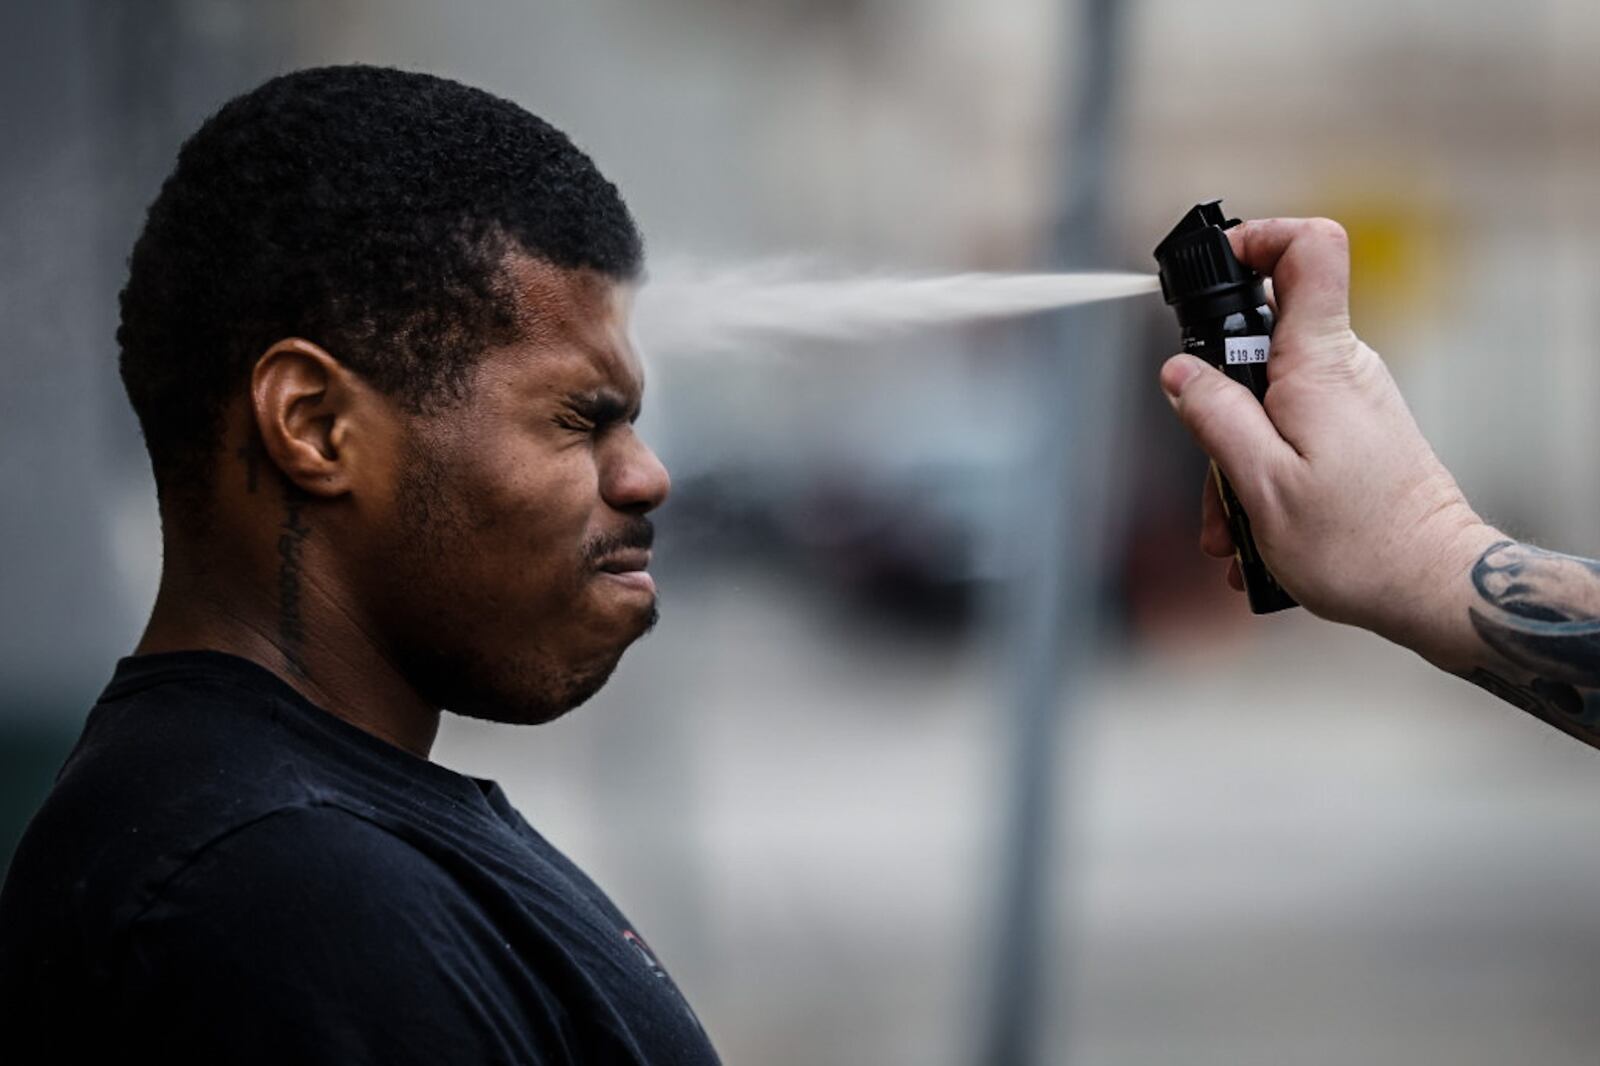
(1426, 602)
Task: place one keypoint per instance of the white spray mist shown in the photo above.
(684, 309)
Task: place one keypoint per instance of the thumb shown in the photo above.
(1226, 421)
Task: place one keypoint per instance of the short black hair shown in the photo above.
(366, 209)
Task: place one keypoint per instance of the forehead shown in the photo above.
(572, 334)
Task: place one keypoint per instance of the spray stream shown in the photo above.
(688, 310)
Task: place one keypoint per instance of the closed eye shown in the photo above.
(597, 411)
(573, 423)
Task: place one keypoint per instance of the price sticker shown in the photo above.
(1247, 349)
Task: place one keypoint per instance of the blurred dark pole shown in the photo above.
(1061, 535)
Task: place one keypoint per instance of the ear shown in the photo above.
(308, 408)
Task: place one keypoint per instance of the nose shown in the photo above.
(635, 481)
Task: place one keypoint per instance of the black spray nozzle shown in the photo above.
(1197, 262)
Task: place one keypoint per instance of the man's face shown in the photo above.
(510, 577)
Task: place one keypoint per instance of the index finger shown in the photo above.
(1308, 260)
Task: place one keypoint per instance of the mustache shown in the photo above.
(639, 534)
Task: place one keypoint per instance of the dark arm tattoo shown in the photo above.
(1540, 611)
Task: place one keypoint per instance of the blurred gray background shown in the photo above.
(946, 712)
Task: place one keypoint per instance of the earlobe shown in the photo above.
(301, 400)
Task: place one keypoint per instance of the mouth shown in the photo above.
(628, 568)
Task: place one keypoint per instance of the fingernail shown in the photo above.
(1178, 372)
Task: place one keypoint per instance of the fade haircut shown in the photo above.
(366, 209)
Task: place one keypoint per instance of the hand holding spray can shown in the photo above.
(1222, 309)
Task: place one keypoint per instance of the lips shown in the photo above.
(625, 562)
(628, 568)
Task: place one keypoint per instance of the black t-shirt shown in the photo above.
(226, 873)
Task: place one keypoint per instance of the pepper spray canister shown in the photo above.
(1222, 309)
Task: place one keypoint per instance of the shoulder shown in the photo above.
(304, 888)
(309, 851)
(152, 779)
(325, 877)
(315, 916)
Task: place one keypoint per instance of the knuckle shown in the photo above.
(1327, 229)
(1356, 365)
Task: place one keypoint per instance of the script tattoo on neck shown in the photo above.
(1540, 611)
(292, 533)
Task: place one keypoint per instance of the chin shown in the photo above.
(531, 692)
(519, 704)
(651, 617)
(520, 687)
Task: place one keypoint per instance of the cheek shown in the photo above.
(535, 512)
